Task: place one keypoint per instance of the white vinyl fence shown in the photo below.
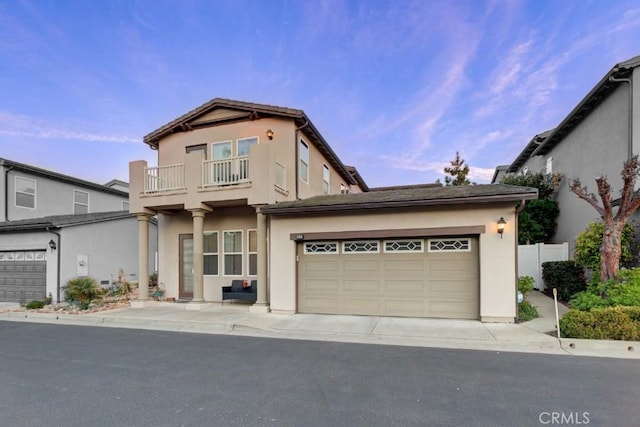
(531, 257)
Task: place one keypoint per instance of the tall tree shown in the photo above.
(611, 251)
(456, 174)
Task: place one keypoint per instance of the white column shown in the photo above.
(198, 260)
(143, 256)
(262, 303)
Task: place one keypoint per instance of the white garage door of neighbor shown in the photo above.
(435, 277)
(23, 276)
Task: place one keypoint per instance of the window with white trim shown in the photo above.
(320, 248)
(80, 202)
(281, 176)
(252, 252)
(210, 253)
(125, 206)
(449, 245)
(361, 247)
(243, 145)
(304, 161)
(232, 246)
(403, 246)
(326, 175)
(25, 194)
(221, 150)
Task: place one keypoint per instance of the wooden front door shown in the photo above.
(185, 290)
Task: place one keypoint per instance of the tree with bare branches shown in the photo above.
(613, 224)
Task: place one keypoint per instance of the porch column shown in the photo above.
(198, 260)
(262, 303)
(143, 256)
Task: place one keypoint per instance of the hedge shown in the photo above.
(611, 323)
(566, 276)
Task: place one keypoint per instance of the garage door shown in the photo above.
(23, 276)
(435, 277)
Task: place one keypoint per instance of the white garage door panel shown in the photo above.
(412, 284)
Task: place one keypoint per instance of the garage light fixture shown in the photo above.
(52, 245)
(270, 134)
(501, 225)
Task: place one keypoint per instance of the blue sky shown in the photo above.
(396, 87)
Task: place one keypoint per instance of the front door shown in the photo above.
(185, 290)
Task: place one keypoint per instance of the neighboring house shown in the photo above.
(38, 256)
(118, 185)
(30, 192)
(254, 192)
(51, 223)
(595, 139)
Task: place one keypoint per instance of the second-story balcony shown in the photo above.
(163, 178)
(230, 171)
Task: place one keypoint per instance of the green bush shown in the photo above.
(526, 284)
(34, 305)
(82, 290)
(625, 291)
(526, 311)
(611, 323)
(566, 276)
(589, 242)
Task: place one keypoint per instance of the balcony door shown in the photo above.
(185, 287)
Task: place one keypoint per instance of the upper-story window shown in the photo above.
(125, 206)
(25, 192)
(80, 202)
(304, 161)
(221, 150)
(244, 144)
(325, 179)
(281, 176)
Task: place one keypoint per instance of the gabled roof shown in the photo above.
(249, 111)
(407, 198)
(525, 154)
(33, 170)
(600, 92)
(499, 169)
(116, 182)
(61, 221)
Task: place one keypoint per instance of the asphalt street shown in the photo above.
(87, 376)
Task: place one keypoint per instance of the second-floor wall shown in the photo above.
(25, 195)
(262, 161)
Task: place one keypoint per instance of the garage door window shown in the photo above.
(403, 246)
(449, 245)
(321, 248)
(361, 247)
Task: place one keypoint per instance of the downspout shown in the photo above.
(297, 161)
(630, 81)
(58, 249)
(6, 192)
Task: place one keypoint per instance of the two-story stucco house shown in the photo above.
(254, 192)
(54, 227)
(594, 139)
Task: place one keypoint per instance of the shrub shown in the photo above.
(526, 284)
(526, 311)
(566, 276)
(625, 291)
(612, 323)
(34, 305)
(82, 290)
(589, 242)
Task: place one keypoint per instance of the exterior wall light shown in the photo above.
(52, 245)
(269, 134)
(501, 225)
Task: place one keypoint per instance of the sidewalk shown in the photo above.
(235, 319)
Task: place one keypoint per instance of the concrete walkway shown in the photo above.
(536, 336)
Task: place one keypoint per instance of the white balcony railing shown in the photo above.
(234, 170)
(163, 178)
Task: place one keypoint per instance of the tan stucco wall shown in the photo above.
(223, 219)
(497, 255)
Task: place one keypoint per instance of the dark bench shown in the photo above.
(236, 291)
